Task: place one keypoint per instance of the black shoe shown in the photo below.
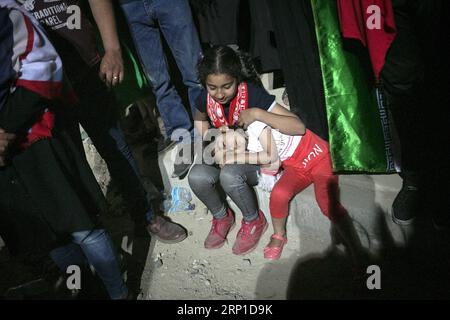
(165, 144)
(182, 169)
(405, 206)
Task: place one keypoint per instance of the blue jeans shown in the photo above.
(173, 18)
(96, 247)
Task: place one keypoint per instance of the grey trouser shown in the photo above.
(211, 185)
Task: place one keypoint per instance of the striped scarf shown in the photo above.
(217, 114)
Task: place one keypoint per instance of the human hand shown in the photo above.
(223, 129)
(218, 144)
(247, 117)
(233, 140)
(272, 168)
(219, 157)
(111, 68)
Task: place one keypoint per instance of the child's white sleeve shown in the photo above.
(254, 130)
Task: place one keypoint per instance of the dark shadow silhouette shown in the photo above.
(418, 270)
(327, 274)
(413, 261)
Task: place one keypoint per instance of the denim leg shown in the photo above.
(204, 182)
(65, 256)
(238, 181)
(145, 33)
(123, 147)
(178, 28)
(97, 247)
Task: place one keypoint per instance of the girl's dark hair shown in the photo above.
(223, 59)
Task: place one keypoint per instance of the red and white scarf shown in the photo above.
(217, 114)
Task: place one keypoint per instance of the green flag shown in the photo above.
(359, 132)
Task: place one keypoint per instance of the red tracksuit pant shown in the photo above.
(310, 163)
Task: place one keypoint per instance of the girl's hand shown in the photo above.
(272, 167)
(219, 157)
(218, 145)
(224, 129)
(247, 117)
(233, 140)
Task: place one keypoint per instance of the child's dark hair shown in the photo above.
(223, 59)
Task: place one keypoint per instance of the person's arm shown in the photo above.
(278, 118)
(219, 150)
(267, 157)
(229, 140)
(111, 67)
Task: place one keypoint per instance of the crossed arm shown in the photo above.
(267, 158)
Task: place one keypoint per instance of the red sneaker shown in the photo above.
(248, 236)
(219, 231)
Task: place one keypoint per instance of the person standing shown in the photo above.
(48, 194)
(91, 74)
(148, 20)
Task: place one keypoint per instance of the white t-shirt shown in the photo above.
(286, 144)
